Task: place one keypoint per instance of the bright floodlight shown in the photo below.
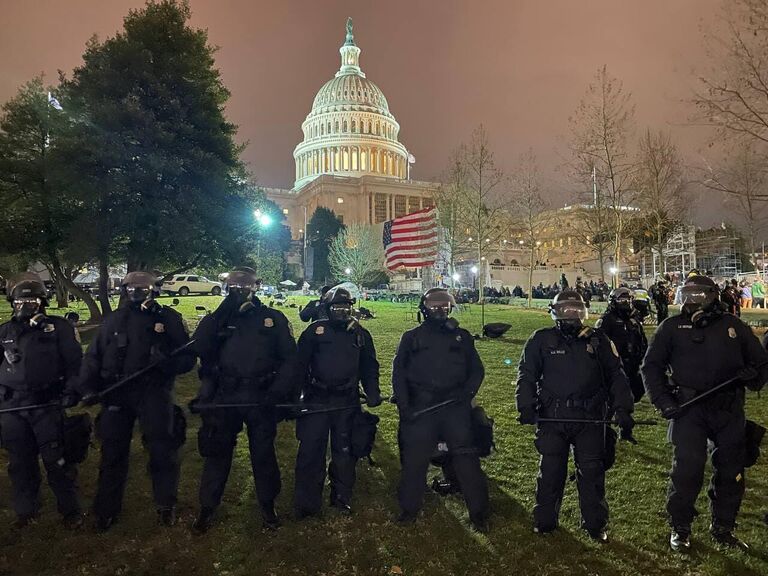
(613, 269)
(473, 269)
(347, 271)
(456, 276)
(262, 218)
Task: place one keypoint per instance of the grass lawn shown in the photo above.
(369, 542)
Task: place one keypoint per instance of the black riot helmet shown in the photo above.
(241, 283)
(620, 300)
(27, 295)
(338, 303)
(140, 287)
(437, 304)
(569, 312)
(699, 294)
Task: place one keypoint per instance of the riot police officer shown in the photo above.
(139, 333)
(435, 363)
(246, 354)
(660, 295)
(334, 357)
(621, 324)
(314, 310)
(40, 358)
(572, 371)
(702, 347)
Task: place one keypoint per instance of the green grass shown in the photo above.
(369, 542)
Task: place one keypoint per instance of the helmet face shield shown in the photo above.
(138, 294)
(695, 295)
(571, 310)
(25, 308)
(437, 304)
(340, 312)
(439, 310)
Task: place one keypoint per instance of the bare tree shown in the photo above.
(356, 254)
(484, 214)
(733, 96)
(450, 200)
(530, 212)
(743, 180)
(660, 189)
(600, 128)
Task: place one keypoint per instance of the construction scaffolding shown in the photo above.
(678, 257)
(719, 252)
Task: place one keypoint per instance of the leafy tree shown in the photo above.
(357, 254)
(36, 222)
(152, 155)
(273, 241)
(322, 228)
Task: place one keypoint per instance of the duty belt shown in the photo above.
(236, 381)
(340, 385)
(550, 400)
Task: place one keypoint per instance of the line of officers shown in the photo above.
(571, 380)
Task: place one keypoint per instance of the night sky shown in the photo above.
(519, 67)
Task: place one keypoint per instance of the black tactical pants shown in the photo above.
(721, 421)
(312, 431)
(635, 381)
(27, 435)
(554, 442)
(217, 439)
(662, 311)
(154, 411)
(418, 439)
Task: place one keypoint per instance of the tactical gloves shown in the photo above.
(750, 377)
(527, 416)
(90, 399)
(69, 399)
(626, 425)
(670, 411)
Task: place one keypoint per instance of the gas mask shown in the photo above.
(438, 313)
(140, 297)
(340, 313)
(26, 308)
(570, 328)
(623, 308)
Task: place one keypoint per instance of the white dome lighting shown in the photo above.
(350, 131)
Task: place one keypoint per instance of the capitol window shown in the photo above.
(339, 200)
(354, 127)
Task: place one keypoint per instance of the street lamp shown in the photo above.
(347, 271)
(473, 269)
(613, 270)
(456, 276)
(263, 220)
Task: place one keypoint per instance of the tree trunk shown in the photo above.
(104, 286)
(530, 278)
(93, 308)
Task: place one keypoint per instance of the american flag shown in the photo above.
(411, 241)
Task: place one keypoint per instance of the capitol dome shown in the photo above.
(350, 130)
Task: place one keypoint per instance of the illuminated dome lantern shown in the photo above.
(350, 131)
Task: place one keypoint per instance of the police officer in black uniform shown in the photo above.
(660, 295)
(334, 357)
(138, 333)
(436, 362)
(40, 358)
(246, 354)
(702, 347)
(572, 371)
(314, 310)
(623, 325)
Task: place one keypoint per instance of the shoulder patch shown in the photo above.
(458, 338)
(320, 330)
(49, 328)
(159, 327)
(732, 332)
(268, 322)
(599, 323)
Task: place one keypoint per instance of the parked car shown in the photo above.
(184, 285)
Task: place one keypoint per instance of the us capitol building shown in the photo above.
(351, 160)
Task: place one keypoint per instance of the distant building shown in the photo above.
(350, 160)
